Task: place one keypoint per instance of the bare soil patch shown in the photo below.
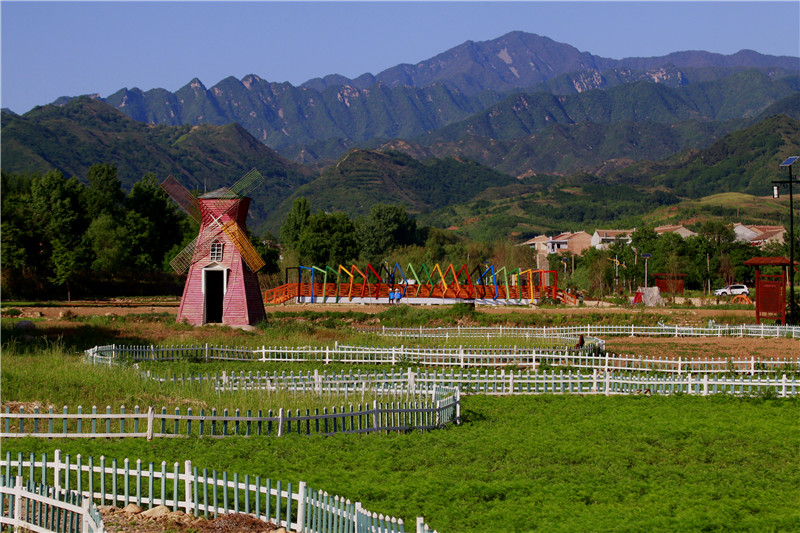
(118, 521)
(706, 347)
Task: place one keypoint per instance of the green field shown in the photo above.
(516, 464)
(543, 463)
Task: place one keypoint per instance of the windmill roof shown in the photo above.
(222, 192)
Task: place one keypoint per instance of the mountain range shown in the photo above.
(321, 119)
(510, 136)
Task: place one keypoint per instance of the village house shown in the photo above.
(574, 243)
(538, 243)
(679, 229)
(602, 238)
(759, 235)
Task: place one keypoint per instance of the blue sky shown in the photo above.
(52, 49)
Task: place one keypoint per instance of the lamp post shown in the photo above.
(776, 194)
(646, 259)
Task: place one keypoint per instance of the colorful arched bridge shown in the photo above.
(418, 285)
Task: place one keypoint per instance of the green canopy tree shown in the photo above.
(386, 227)
(296, 221)
(163, 224)
(58, 205)
(328, 239)
(104, 193)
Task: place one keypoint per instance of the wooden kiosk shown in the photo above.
(771, 288)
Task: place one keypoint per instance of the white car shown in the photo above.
(732, 290)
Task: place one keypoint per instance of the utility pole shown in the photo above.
(793, 316)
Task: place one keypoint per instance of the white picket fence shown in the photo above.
(572, 332)
(341, 353)
(36, 507)
(441, 408)
(457, 357)
(502, 382)
(198, 492)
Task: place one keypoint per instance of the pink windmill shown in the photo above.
(221, 285)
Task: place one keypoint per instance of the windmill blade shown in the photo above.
(181, 262)
(182, 197)
(194, 251)
(242, 243)
(247, 183)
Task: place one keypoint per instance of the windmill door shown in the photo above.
(214, 291)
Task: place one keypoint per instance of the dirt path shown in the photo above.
(125, 307)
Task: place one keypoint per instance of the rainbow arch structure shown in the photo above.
(422, 285)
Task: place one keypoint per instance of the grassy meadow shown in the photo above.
(516, 464)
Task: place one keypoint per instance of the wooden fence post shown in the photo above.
(87, 506)
(17, 504)
(412, 387)
(299, 526)
(57, 469)
(375, 417)
(356, 516)
(280, 422)
(150, 420)
(420, 524)
(187, 497)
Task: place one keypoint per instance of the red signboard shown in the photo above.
(770, 297)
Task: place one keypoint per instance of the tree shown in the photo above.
(296, 221)
(268, 252)
(164, 224)
(328, 239)
(717, 232)
(66, 265)
(104, 193)
(386, 227)
(120, 243)
(57, 205)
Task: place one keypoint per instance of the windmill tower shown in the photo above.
(221, 285)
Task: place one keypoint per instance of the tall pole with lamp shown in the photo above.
(793, 316)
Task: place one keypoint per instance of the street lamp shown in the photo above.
(646, 258)
(776, 194)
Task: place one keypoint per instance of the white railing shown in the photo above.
(502, 382)
(441, 407)
(661, 330)
(452, 357)
(341, 353)
(185, 487)
(39, 508)
(464, 356)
